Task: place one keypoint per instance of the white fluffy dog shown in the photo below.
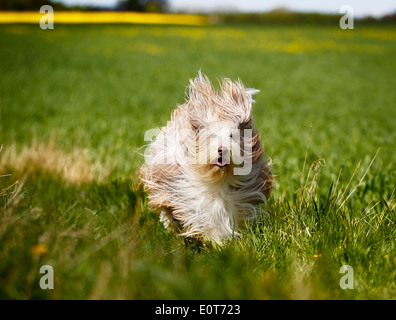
(204, 172)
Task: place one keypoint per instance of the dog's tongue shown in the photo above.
(220, 162)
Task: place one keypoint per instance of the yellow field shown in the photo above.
(71, 17)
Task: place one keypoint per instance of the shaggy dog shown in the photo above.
(204, 172)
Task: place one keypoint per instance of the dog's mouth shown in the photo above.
(222, 157)
(220, 162)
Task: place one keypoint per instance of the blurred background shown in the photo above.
(378, 10)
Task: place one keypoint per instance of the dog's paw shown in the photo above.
(169, 223)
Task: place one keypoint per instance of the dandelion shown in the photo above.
(39, 249)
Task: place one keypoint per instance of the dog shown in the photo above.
(205, 171)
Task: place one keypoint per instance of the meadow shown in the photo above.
(76, 101)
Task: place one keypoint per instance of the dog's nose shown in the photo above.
(222, 150)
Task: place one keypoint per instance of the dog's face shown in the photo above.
(221, 145)
(217, 131)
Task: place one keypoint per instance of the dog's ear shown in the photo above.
(201, 97)
(200, 88)
(236, 101)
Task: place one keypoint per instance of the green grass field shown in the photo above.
(76, 101)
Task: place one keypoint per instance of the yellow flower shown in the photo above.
(39, 249)
(105, 17)
(317, 255)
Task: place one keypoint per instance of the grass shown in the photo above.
(76, 101)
